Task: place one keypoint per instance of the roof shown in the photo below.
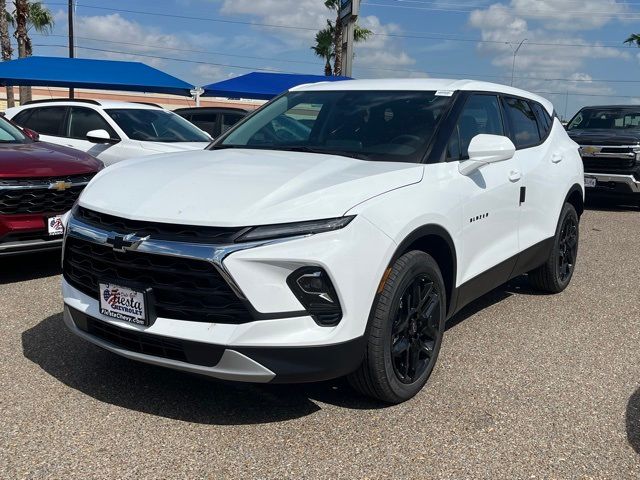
(425, 84)
(87, 73)
(261, 85)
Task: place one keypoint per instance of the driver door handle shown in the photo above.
(514, 176)
(557, 157)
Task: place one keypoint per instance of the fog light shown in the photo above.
(313, 288)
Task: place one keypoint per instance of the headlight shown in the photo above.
(282, 230)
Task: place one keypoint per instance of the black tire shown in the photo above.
(556, 273)
(390, 372)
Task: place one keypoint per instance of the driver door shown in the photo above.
(491, 206)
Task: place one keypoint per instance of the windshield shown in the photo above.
(605, 118)
(10, 134)
(149, 125)
(370, 125)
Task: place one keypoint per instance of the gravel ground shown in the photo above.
(527, 386)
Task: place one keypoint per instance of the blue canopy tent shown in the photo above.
(262, 86)
(86, 73)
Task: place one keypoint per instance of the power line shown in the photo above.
(410, 34)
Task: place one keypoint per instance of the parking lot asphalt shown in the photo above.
(527, 386)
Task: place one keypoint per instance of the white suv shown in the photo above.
(331, 233)
(110, 131)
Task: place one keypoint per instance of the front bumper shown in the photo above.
(614, 183)
(24, 233)
(244, 364)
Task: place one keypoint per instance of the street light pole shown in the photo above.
(71, 45)
(515, 53)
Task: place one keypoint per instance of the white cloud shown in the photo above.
(569, 14)
(540, 61)
(378, 52)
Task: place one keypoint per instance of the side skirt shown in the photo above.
(515, 266)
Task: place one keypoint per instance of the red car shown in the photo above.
(39, 182)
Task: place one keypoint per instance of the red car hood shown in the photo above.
(41, 159)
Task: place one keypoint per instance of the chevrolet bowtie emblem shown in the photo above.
(591, 150)
(60, 186)
(124, 243)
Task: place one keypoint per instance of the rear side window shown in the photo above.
(524, 127)
(544, 120)
(47, 120)
(83, 120)
(230, 119)
(481, 114)
(207, 121)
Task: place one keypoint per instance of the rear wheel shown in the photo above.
(556, 273)
(406, 331)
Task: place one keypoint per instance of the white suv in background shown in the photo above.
(331, 233)
(110, 131)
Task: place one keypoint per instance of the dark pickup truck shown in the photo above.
(609, 139)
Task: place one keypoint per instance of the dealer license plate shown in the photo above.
(590, 182)
(123, 303)
(55, 226)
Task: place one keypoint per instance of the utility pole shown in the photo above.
(349, 10)
(71, 44)
(515, 53)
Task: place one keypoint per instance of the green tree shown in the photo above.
(27, 16)
(324, 47)
(361, 34)
(634, 39)
(5, 46)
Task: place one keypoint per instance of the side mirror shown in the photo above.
(485, 149)
(32, 134)
(100, 136)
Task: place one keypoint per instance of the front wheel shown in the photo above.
(556, 273)
(406, 331)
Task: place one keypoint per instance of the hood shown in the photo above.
(169, 147)
(42, 159)
(612, 136)
(242, 187)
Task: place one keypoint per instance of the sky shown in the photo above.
(573, 53)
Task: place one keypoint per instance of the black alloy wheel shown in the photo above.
(405, 330)
(554, 275)
(568, 248)
(415, 331)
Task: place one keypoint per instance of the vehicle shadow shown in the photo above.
(172, 394)
(29, 266)
(633, 421)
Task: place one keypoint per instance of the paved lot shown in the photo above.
(527, 386)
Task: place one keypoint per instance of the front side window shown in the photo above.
(524, 126)
(605, 118)
(47, 120)
(83, 120)
(481, 114)
(369, 125)
(151, 125)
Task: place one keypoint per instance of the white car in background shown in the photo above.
(110, 131)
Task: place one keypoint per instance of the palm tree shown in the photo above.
(5, 46)
(361, 34)
(324, 47)
(634, 39)
(27, 16)
(21, 14)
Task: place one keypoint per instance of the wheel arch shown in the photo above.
(575, 197)
(437, 242)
